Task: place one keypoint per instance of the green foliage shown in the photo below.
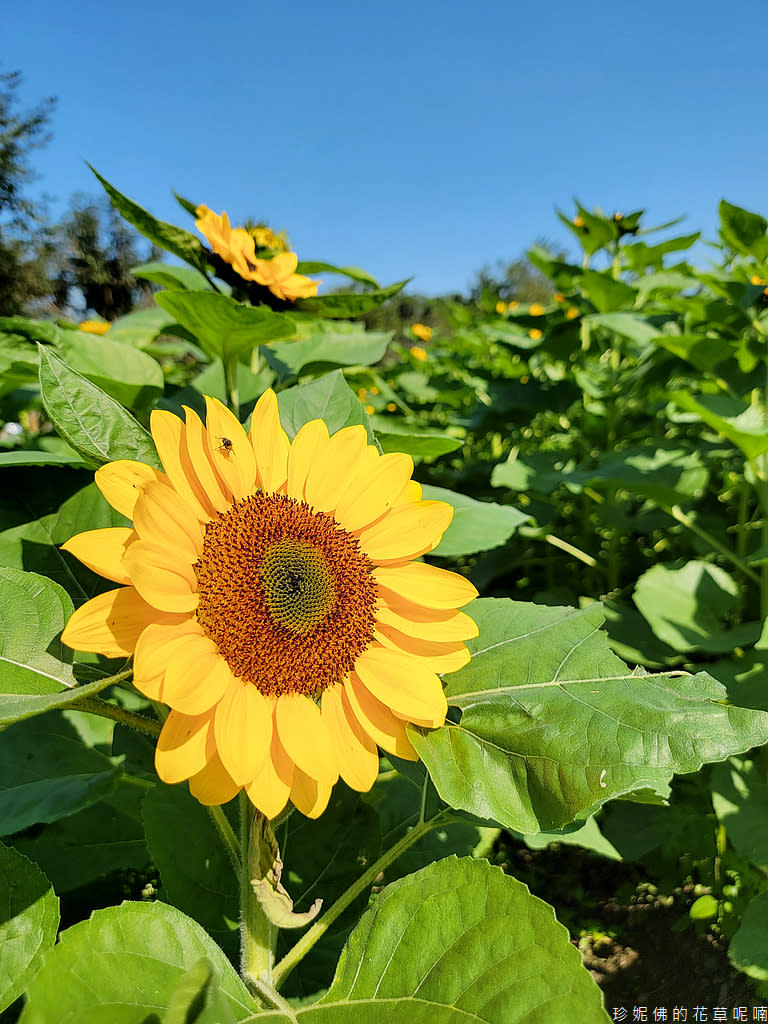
(555, 724)
(604, 437)
(491, 950)
(28, 922)
(144, 952)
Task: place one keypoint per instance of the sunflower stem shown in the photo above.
(257, 933)
(316, 932)
(102, 708)
(230, 384)
(228, 837)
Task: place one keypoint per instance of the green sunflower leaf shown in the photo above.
(133, 959)
(419, 444)
(33, 612)
(353, 273)
(93, 842)
(748, 949)
(476, 525)
(553, 723)
(223, 326)
(328, 398)
(92, 422)
(456, 942)
(319, 347)
(123, 371)
(203, 886)
(62, 777)
(348, 305)
(184, 279)
(174, 240)
(29, 919)
(35, 545)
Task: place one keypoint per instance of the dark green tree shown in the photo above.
(96, 252)
(25, 243)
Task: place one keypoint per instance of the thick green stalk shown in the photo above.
(257, 933)
(230, 384)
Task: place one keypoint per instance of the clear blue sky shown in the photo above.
(410, 138)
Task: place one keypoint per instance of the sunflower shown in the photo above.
(237, 247)
(271, 595)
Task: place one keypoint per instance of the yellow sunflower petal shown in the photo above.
(121, 483)
(403, 684)
(270, 443)
(425, 585)
(213, 785)
(155, 650)
(438, 656)
(230, 450)
(406, 530)
(196, 440)
(426, 623)
(364, 504)
(271, 788)
(243, 727)
(103, 550)
(168, 435)
(411, 493)
(308, 795)
(305, 737)
(310, 437)
(196, 678)
(382, 726)
(110, 624)
(165, 582)
(358, 756)
(162, 517)
(334, 467)
(184, 747)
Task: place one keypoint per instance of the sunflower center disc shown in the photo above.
(286, 595)
(297, 584)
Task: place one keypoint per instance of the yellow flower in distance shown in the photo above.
(536, 309)
(270, 594)
(266, 238)
(421, 331)
(94, 326)
(419, 353)
(756, 280)
(571, 313)
(237, 247)
(534, 333)
(501, 307)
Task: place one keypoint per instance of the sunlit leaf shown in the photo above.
(476, 525)
(94, 424)
(553, 723)
(29, 918)
(33, 612)
(130, 959)
(459, 941)
(223, 326)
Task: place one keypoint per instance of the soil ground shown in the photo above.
(639, 945)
